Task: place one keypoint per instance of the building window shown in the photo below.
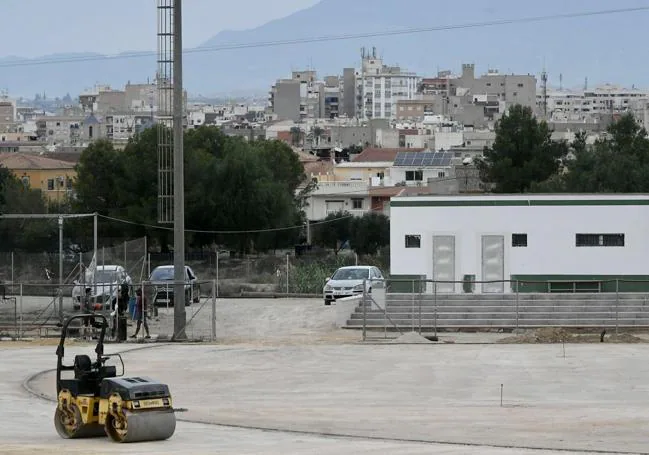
(357, 204)
(380, 175)
(441, 174)
(599, 239)
(413, 241)
(414, 176)
(519, 240)
(50, 184)
(520, 85)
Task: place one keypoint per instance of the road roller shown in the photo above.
(98, 402)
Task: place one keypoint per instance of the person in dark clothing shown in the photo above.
(86, 309)
(119, 306)
(140, 314)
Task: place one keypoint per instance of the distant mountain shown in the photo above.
(602, 48)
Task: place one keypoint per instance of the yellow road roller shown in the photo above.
(97, 402)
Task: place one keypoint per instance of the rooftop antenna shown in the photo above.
(586, 83)
(561, 81)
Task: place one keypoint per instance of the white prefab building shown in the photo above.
(538, 243)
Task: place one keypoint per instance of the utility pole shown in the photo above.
(179, 183)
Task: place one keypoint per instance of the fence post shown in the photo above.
(412, 305)
(617, 304)
(517, 302)
(419, 300)
(214, 287)
(364, 302)
(21, 310)
(287, 278)
(435, 307)
(217, 272)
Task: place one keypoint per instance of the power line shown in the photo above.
(326, 38)
(259, 231)
(252, 231)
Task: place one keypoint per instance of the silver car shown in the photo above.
(103, 285)
(348, 281)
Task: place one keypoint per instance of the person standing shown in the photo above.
(86, 309)
(140, 314)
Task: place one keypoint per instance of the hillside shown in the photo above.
(604, 48)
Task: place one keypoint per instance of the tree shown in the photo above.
(522, 154)
(334, 231)
(616, 163)
(25, 234)
(370, 233)
(296, 136)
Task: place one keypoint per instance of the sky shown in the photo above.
(44, 27)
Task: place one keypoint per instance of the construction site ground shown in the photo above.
(280, 384)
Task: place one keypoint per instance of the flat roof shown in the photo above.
(468, 200)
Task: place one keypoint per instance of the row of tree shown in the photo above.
(231, 186)
(524, 158)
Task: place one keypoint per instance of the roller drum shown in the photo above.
(74, 428)
(156, 425)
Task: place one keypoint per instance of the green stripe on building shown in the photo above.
(518, 202)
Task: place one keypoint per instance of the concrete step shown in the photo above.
(504, 323)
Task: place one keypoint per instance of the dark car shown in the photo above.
(161, 280)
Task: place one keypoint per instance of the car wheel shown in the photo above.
(328, 301)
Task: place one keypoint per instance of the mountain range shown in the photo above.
(602, 48)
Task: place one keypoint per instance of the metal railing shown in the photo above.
(418, 305)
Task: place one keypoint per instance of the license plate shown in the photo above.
(151, 404)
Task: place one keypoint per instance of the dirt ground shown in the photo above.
(559, 335)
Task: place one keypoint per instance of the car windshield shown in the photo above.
(351, 274)
(164, 274)
(102, 276)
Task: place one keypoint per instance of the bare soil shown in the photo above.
(559, 335)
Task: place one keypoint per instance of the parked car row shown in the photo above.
(106, 280)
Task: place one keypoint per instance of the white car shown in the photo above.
(103, 286)
(348, 281)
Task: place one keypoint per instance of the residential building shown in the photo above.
(52, 177)
(582, 105)
(121, 126)
(59, 130)
(504, 243)
(7, 115)
(298, 98)
(417, 168)
(379, 87)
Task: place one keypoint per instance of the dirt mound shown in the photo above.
(411, 338)
(559, 335)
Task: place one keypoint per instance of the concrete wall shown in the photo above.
(287, 100)
(550, 222)
(349, 93)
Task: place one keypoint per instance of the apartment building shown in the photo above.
(298, 98)
(578, 105)
(379, 87)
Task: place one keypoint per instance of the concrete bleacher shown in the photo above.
(506, 311)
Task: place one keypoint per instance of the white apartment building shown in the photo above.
(575, 105)
(381, 86)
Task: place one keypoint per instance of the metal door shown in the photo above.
(444, 262)
(493, 263)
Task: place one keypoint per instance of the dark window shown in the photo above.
(50, 184)
(414, 176)
(599, 240)
(519, 240)
(357, 204)
(413, 241)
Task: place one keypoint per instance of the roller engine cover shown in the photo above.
(135, 388)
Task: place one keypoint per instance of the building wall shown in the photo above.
(320, 206)
(287, 100)
(49, 181)
(550, 222)
(349, 93)
(400, 174)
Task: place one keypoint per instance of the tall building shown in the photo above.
(379, 87)
(298, 98)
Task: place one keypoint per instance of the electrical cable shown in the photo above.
(259, 231)
(326, 38)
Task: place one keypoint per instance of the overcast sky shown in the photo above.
(42, 27)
